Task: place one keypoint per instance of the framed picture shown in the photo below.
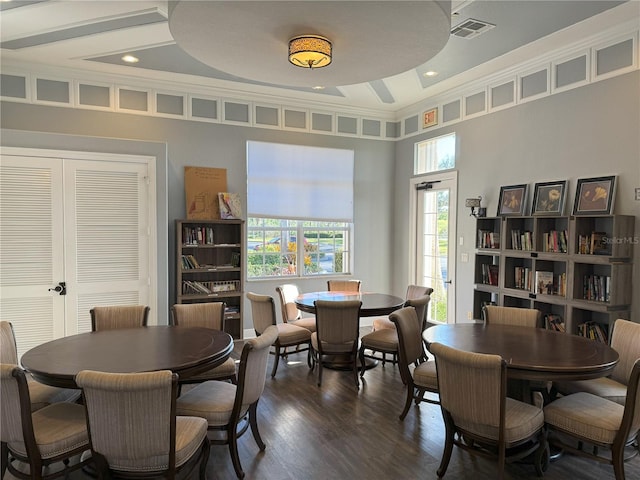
(595, 196)
(549, 197)
(512, 200)
(430, 118)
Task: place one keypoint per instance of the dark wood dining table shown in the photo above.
(530, 353)
(373, 304)
(183, 350)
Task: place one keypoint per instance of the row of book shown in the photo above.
(489, 274)
(555, 241)
(194, 287)
(593, 244)
(594, 331)
(554, 322)
(197, 235)
(189, 262)
(596, 287)
(521, 240)
(548, 283)
(522, 278)
(488, 239)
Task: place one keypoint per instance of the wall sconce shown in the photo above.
(474, 203)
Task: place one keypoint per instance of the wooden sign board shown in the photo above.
(201, 187)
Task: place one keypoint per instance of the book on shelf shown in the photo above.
(522, 278)
(596, 288)
(593, 244)
(489, 274)
(521, 240)
(554, 241)
(197, 235)
(594, 331)
(189, 262)
(488, 239)
(554, 322)
(544, 282)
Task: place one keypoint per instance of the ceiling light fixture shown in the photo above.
(430, 73)
(130, 59)
(310, 51)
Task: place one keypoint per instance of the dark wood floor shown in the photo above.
(336, 432)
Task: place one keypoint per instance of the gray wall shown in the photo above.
(585, 132)
(180, 143)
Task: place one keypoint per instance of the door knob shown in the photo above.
(61, 288)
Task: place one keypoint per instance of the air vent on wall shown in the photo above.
(471, 28)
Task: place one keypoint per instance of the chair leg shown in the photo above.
(232, 438)
(384, 358)
(617, 458)
(407, 402)
(362, 362)
(355, 371)
(309, 357)
(4, 453)
(253, 421)
(448, 445)
(275, 362)
(204, 459)
(319, 363)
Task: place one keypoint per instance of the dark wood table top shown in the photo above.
(530, 353)
(373, 304)
(183, 350)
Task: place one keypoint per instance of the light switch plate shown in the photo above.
(637, 193)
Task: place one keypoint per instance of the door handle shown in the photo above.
(61, 288)
(448, 281)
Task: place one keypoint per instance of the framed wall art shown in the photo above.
(549, 198)
(512, 201)
(595, 196)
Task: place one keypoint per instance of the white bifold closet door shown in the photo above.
(74, 233)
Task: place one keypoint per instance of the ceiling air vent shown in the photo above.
(471, 28)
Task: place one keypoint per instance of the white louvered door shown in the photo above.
(79, 221)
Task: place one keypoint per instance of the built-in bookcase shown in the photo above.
(576, 270)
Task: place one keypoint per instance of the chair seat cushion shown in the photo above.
(585, 415)
(380, 323)
(190, 433)
(212, 401)
(603, 387)
(289, 334)
(425, 375)
(42, 395)
(385, 340)
(226, 370)
(306, 322)
(521, 421)
(58, 428)
(346, 347)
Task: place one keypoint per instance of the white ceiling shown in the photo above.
(92, 36)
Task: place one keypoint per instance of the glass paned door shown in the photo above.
(435, 209)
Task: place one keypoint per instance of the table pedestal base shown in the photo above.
(341, 362)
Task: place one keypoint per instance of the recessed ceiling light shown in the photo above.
(430, 73)
(130, 59)
(318, 87)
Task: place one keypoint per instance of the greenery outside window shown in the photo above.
(435, 154)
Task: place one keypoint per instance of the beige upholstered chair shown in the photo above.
(419, 376)
(118, 316)
(230, 409)
(597, 421)
(475, 407)
(207, 315)
(263, 312)
(337, 332)
(40, 395)
(133, 427)
(51, 434)
(523, 317)
(385, 340)
(413, 292)
(290, 313)
(625, 340)
(343, 285)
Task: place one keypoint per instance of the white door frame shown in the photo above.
(450, 175)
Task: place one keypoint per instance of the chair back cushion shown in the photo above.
(337, 324)
(130, 417)
(11, 425)
(626, 341)
(263, 311)
(207, 315)
(470, 384)
(118, 316)
(416, 291)
(409, 334)
(523, 317)
(288, 294)
(8, 349)
(343, 285)
(420, 305)
(253, 366)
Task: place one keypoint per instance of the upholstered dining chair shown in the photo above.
(290, 313)
(229, 409)
(52, 434)
(385, 340)
(625, 339)
(263, 312)
(479, 417)
(206, 315)
(523, 317)
(413, 292)
(588, 418)
(337, 333)
(40, 394)
(418, 375)
(133, 427)
(118, 316)
(344, 285)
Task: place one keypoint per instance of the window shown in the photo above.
(435, 154)
(300, 210)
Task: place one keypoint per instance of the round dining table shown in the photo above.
(373, 304)
(184, 350)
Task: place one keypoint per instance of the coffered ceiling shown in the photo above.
(241, 47)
